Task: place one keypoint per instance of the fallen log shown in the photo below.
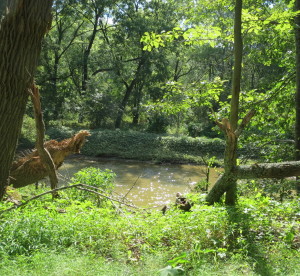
(30, 168)
(268, 170)
(258, 170)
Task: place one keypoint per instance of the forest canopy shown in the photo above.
(215, 83)
(96, 66)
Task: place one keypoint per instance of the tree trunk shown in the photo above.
(228, 183)
(87, 52)
(44, 154)
(223, 183)
(128, 92)
(21, 33)
(136, 104)
(262, 170)
(297, 97)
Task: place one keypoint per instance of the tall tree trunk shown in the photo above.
(231, 140)
(128, 92)
(21, 33)
(297, 97)
(58, 103)
(136, 104)
(228, 183)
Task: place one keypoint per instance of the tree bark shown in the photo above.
(268, 170)
(128, 92)
(122, 106)
(297, 96)
(262, 170)
(86, 55)
(137, 103)
(44, 154)
(228, 183)
(224, 182)
(21, 33)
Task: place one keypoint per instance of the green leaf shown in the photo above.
(170, 271)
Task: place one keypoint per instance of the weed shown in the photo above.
(260, 236)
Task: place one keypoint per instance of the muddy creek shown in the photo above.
(147, 184)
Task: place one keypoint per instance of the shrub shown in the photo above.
(158, 124)
(102, 180)
(59, 133)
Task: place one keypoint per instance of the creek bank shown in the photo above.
(152, 147)
(141, 146)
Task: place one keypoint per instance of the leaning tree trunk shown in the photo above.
(297, 98)
(228, 183)
(21, 33)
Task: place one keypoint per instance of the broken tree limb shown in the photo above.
(30, 168)
(258, 170)
(44, 154)
(227, 183)
(244, 122)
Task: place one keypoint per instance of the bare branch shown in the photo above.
(244, 122)
(79, 186)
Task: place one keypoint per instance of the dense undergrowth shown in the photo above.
(80, 234)
(150, 146)
(139, 146)
(83, 234)
(180, 148)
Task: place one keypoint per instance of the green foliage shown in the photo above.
(158, 123)
(102, 180)
(251, 237)
(197, 35)
(59, 132)
(201, 129)
(150, 146)
(171, 271)
(280, 190)
(28, 128)
(28, 132)
(182, 79)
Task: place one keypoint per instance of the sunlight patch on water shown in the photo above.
(150, 184)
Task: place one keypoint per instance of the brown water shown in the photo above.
(150, 184)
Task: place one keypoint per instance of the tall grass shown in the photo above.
(69, 237)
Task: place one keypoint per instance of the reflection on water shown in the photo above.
(147, 184)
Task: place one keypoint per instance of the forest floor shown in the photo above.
(78, 235)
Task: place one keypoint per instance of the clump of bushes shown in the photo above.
(94, 177)
(60, 133)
